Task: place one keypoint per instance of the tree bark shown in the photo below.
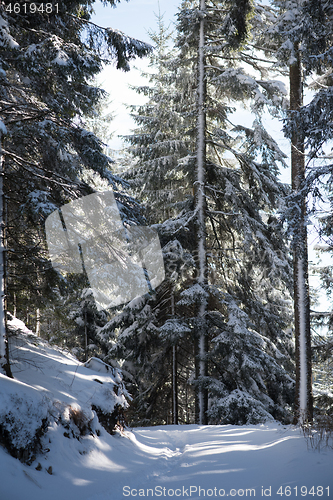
(38, 322)
(174, 372)
(4, 347)
(303, 397)
(200, 207)
(85, 334)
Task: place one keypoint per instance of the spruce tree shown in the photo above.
(158, 180)
(233, 188)
(315, 119)
(299, 36)
(246, 367)
(47, 61)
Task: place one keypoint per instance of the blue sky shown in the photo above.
(134, 18)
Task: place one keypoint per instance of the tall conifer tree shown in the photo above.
(47, 60)
(248, 371)
(298, 35)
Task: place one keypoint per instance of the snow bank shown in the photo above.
(52, 386)
(24, 413)
(60, 376)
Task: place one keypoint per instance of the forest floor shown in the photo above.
(269, 460)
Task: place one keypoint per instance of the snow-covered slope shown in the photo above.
(52, 386)
(59, 376)
(161, 462)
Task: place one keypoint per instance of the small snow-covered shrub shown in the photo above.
(111, 421)
(77, 421)
(238, 408)
(319, 433)
(111, 399)
(24, 418)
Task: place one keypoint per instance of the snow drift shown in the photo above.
(52, 386)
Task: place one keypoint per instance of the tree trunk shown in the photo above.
(4, 348)
(174, 386)
(200, 206)
(174, 372)
(85, 334)
(303, 396)
(38, 322)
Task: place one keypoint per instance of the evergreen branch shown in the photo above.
(254, 58)
(125, 47)
(19, 160)
(214, 230)
(218, 212)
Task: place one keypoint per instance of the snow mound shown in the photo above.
(52, 386)
(23, 416)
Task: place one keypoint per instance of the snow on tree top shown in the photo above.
(193, 294)
(5, 38)
(3, 129)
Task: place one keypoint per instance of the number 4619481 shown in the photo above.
(303, 491)
(32, 8)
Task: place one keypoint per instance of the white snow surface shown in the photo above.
(180, 459)
(59, 376)
(166, 461)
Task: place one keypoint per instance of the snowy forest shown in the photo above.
(231, 335)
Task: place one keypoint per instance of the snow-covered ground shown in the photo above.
(184, 462)
(158, 462)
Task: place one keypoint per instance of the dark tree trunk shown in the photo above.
(303, 396)
(4, 347)
(174, 372)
